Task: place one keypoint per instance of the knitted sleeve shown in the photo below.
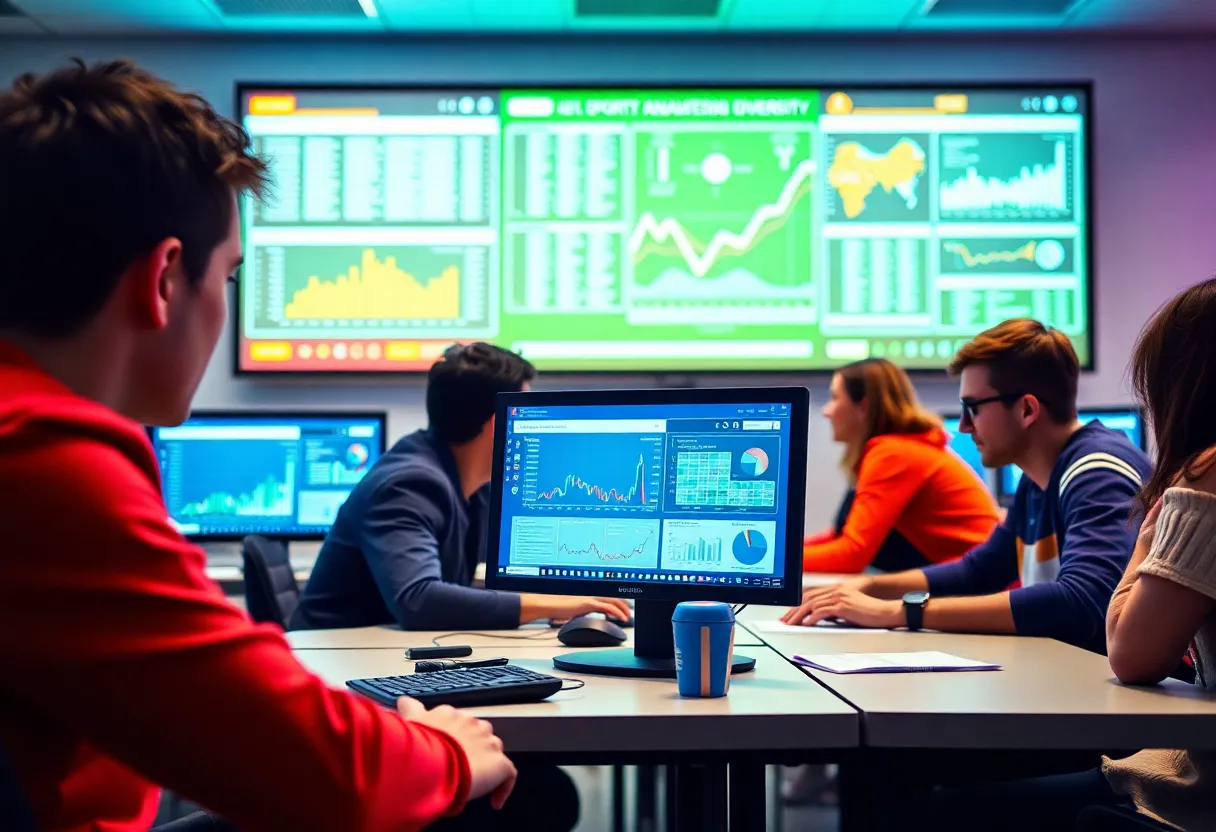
(1184, 547)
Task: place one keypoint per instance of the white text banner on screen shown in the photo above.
(590, 426)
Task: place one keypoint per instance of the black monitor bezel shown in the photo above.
(799, 399)
(380, 416)
(243, 88)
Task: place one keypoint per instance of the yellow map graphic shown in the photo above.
(856, 170)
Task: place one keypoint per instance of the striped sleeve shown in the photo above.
(1096, 492)
(1098, 461)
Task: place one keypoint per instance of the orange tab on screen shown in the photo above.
(402, 350)
(950, 103)
(270, 351)
(272, 105)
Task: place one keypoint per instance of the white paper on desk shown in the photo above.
(923, 661)
(798, 629)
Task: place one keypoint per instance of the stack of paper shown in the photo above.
(928, 660)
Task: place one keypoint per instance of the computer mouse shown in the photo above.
(585, 631)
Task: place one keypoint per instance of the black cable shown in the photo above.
(738, 609)
(543, 634)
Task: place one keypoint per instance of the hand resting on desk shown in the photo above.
(561, 608)
(491, 772)
(846, 602)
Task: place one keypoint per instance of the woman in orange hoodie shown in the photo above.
(913, 501)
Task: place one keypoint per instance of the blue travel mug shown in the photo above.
(705, 646)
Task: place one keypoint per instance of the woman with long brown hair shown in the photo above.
(913, 502)
(1163, 608)
(1165, 605)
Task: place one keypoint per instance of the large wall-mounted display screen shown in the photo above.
(661, 229)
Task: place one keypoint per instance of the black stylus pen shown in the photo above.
(431, 667)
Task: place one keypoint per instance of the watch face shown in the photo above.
(916, 597)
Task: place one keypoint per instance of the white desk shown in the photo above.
(1048, 696)
(716, 747)
(773, 708)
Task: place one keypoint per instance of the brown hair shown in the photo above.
(1025, 357)
(98, 165)
(892, 406)
(1173, 375)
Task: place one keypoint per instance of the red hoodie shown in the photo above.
(123, 666)
(913, 484)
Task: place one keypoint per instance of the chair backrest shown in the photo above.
(271, 591)
(15, 811)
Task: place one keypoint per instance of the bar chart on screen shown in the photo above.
(742, 546)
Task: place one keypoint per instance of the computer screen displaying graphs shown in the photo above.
(229, 475)
(1128, 421)
(664, 493)
(661, 229)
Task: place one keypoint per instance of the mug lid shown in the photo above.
(711, 612)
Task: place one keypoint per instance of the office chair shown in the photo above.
(271, 591)
(1117, 819)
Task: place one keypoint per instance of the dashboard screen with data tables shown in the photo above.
(766, 229)
(691, 493)
(226, 476)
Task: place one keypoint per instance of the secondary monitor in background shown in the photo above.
(657, 495)
(1129, 421)
(963, 445)
(285, 475)
(711, 229)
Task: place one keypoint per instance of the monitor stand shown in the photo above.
(653, 655)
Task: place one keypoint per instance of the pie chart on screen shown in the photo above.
(754, 462)
(750, 547)
(357, 456)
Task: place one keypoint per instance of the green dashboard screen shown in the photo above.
(660, 229)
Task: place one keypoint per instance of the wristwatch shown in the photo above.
(914, 609)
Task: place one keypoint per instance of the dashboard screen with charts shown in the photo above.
(229, 474)
(670, 494)
(768, 229)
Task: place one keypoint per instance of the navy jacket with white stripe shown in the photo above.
(1068, 544)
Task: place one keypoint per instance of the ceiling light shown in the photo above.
(369, 8)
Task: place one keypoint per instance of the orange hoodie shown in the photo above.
(913, 484)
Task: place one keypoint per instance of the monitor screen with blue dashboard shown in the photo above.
(963, 445)
(654, 493)
(229, 474)
(1129, 421)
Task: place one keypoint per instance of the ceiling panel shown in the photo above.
(112, 16)
(1182, 14)
(429, 15)
(868, 15)
(537, 15)
(985, 22)
(774, 15)
(553, 16)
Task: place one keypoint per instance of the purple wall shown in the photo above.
(1154, 149)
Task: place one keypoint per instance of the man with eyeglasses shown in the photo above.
(1050, 569)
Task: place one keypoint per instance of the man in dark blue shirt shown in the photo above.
(405, 545)
(1066, 539)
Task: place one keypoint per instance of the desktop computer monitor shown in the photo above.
(284, 475)
(1128, 420)
(963, 445)
(659, 495)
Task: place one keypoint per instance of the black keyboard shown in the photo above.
(506, 685)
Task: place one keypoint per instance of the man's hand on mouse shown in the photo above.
(561, 608)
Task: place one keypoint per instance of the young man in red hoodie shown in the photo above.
(121, 665)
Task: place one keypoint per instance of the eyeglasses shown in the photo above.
(971, 407)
